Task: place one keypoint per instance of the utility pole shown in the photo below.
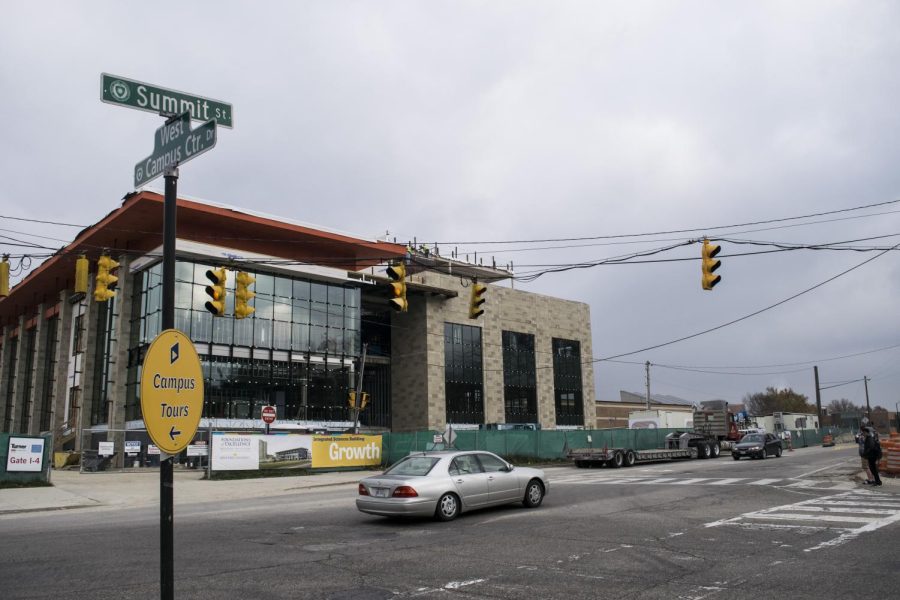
(818, 395)
(868, 410)
(648, 385)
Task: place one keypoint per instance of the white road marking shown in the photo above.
(764, 481)
(836, 513)
(691, 481)
(727, 481)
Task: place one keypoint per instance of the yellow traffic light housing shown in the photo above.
(216, 291)
(709, 265)
(243, 295)
(82, 265)
(4, 276)
(351, 399)
(364, 400)
(104, 279)
(477, 299)
(397, 272)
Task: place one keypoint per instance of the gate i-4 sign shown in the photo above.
(172, 391)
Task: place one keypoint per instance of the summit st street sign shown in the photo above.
(151, 98)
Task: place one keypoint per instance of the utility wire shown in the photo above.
(753, 314)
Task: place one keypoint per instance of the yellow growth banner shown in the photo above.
(345, 451)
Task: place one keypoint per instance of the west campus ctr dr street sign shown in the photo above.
(151, 98)
(174, 144)
(172, 391)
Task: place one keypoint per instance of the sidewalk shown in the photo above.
(74, 490)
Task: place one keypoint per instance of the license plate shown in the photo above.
(381, 492)
(742, 452)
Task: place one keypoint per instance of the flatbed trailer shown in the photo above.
(679, 445)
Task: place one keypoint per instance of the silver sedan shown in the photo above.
(445, 483)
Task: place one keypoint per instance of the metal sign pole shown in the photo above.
(166, 478)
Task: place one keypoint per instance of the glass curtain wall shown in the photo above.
(297, 351)
(519, 378)
(463, 374)
(567, 382)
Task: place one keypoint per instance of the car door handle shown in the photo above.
(459, 481)
(490, 477)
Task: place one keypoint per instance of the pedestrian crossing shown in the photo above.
(605, 479)
(848, 514)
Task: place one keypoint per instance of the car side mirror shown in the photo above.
(508, 468)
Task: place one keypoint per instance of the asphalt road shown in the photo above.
(795, 527)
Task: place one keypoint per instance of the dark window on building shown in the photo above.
(78, 337)
(51, 330)
(463, 374)
(567, 382)
(519, 378)
(28, 374)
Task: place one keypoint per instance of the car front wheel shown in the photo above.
(447, 507)
(534, 494)
(777, 451)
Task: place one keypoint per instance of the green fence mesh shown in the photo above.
(553, 445)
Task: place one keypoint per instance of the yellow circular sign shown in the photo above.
(172, 391)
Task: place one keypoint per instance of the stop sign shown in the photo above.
(268, 414)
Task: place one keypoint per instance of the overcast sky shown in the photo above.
(471, 124)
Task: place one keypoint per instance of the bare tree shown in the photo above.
(775, 400)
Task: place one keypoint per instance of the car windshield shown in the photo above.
(753, 437)
(412, 465)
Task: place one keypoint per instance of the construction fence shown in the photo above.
(554, 444)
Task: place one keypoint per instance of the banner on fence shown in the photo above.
(251, 451)
(346, 451)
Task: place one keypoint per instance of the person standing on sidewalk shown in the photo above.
(872, 453)
(861, 441)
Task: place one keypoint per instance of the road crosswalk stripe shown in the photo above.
(764, 481)
(727, 481)
(848, 515)
(806, 517)
(690, 481)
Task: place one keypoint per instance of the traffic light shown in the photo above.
(4, 276)
(364, 400)
(476, 300)
(709, 266)
(243, 295)
(104, 279)
(397, 272)
(216, 291)
(351, 399)
(81, 274)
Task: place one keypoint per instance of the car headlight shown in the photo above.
(756, 448)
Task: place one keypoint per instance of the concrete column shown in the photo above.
(32, 379)
(118, 368)
(5, 419)
(89, 335)
(19, 382)
(60, 377)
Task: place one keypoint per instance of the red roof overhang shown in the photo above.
(136, 228)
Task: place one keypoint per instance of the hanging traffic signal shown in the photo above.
(709, 265)
(104, 279)
(397, 272)
(216, 291)
(243, 295)
(4, 276)
(351, 399)
(81, 274)
(364, 400)
(476, 300)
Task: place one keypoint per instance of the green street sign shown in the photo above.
(174, 144)
(150, 98)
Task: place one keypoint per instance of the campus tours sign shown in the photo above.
(172, 391)
(250, 451)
